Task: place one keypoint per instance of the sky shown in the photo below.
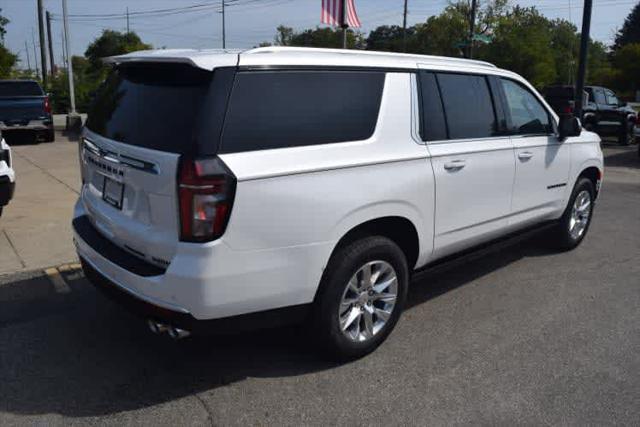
(248, 22)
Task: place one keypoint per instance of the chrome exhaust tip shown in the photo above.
(177, 333)
(157, 327)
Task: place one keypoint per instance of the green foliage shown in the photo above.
(318, 37)
(443, 34)
(112, 43)
(630, 31)
(7, 61)
(390, 38)
(3, 23)
(521, 44)
(627, 60)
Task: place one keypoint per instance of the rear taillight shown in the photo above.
(206, 188)
(47, 105)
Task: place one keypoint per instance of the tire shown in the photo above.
(0, 211)
(346, 272)
(565, 236)
(628, 134)
(49, 136)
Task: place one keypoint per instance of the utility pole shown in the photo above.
(26, 51)
(224, 41)
(35, 52)
(64, 56)
(74, 122)
(43, 49)
(472, 25)
(50, 40)
(127, 19)
(582, 65)
(404, 28)
(343, 21)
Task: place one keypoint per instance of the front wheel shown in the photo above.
(628, 134)
(576, 219)
(361, 296)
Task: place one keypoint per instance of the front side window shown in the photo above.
(468, 106)
(280, 109)
(598, 94)
(528, 115)
(612, 99)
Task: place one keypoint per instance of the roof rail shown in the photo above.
(417, 57)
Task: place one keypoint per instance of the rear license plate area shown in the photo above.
(112, 192)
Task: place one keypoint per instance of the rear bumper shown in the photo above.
(183, 320)
(34, 125)
(7, 189)
(210, 281)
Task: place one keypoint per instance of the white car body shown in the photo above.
(7, 174)
(292, 206)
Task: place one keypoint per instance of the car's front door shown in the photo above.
(473, 164)
(542, 160)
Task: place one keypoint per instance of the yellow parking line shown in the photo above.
(57, 281)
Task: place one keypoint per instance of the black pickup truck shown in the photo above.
(603, 113)
(25, 107)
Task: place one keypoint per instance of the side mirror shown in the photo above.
(568, 126)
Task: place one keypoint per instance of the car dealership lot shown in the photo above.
(516, 335)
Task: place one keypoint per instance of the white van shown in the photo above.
(7, 174)
(289, 184)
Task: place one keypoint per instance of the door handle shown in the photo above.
(525, 155)
(455, 165)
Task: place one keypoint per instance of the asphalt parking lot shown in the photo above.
(516, 335)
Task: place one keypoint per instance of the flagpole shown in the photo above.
(343, 21)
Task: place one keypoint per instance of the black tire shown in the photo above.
(628, 134)
(561, 237)
(0, 210)
(343, 265)
(49, 136)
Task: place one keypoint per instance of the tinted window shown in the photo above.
(598, 95)
(612, 99)
(26, 88)
(151, 106)
(467, 105)
(278, 109)
(528, 115)
(434, 126)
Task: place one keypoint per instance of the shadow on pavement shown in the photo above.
(78, 354)
(627, 157)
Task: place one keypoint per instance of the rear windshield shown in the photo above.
(11, 89)
(559, 92)
(154, 106)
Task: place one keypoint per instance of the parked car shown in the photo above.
(25, 107)
(603, 112)
(226, 190)
(7, 175)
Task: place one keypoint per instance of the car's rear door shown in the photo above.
(472, 162)
(145, 117)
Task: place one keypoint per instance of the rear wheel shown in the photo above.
(361, 297)
(0, 210)
(628, 134)
(49, 136)
(575, 222)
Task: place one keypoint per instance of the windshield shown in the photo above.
(153, 106)
(26, 88)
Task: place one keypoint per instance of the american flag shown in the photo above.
(332, 12)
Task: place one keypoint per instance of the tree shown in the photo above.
(630, 31)
(390, 38)
(444, 34)
(521, 44)
(627, 61)
(3, 23)
(564, 45)
(112, 43)
(7, 62)
(318, 37)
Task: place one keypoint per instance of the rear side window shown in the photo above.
(528, 115)
(279, 109)
(152, 106)
(468, 106)
(434, 125)
(26, 88)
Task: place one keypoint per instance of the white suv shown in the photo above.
(7, 174)
(224, 190)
